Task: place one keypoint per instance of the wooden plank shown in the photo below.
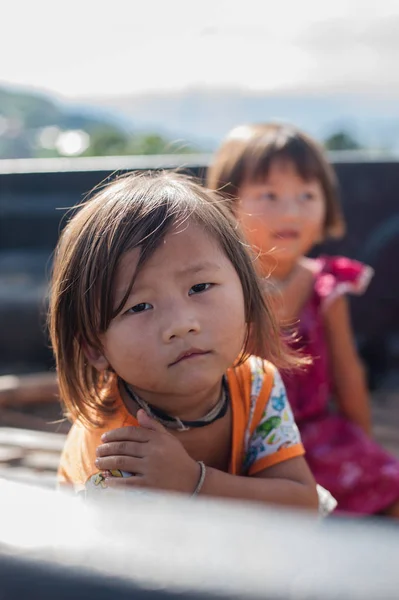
(41, 461)
(24, 475)
(22, 420)
(32, 440)
(28, 389)
(11, 455)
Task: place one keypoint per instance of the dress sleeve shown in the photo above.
(339, 275)
(276, 436)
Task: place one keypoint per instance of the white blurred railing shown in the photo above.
(182, 548)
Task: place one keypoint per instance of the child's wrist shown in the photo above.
(201, 478)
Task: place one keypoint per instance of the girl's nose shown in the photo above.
(180, 325)
(290, 208)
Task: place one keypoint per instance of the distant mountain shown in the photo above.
(205, 116)
(33, 110)
(191, 120)
(36, 125)
(24, 114)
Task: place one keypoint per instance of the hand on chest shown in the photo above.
(211, 444)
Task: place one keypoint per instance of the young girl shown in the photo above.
(153, 299)
(284, 194)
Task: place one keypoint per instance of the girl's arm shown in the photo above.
(278, 473)
(159, 461)
(289, 483)
(346, 370)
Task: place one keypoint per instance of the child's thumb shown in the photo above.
(147, 422)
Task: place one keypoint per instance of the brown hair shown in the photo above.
(135, 211)
(248, 152)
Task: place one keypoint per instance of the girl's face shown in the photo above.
(183, 324)
(284, 212)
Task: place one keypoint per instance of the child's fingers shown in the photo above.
(129, 464)
(133, 434)
(137, 449)
(149, 423)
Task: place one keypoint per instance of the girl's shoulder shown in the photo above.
(254, 366)
(337, 275)
(251, 379)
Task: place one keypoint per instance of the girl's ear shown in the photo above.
(95, 358)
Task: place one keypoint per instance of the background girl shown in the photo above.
(284, 193)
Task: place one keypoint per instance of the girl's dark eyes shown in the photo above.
(198, 288)
(138, 308)
(268, 196)
(307, 196)
(144, 306)
(272, 196)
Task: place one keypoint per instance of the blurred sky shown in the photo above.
(83, 48)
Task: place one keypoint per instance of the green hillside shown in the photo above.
(33, 125)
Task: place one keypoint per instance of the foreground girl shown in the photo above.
(156, 313)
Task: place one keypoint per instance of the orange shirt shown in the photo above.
(264, 432)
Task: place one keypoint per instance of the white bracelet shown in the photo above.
(201, 478)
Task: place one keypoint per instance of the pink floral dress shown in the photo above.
(359, 473)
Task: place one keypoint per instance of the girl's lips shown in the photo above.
(287, 234)
(189, 354)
